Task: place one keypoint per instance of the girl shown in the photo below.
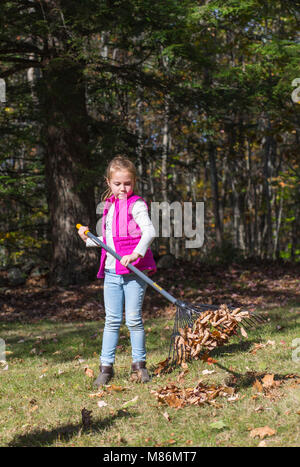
(127, 229)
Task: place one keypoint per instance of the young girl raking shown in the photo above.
(127, 229)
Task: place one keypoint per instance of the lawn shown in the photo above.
(47, 381)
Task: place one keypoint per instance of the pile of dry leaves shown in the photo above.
(212, 329)
(202, 394)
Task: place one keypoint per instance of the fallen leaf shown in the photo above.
(113, 387)
(34, 408)
(131, 402)
(167, 417)
(259, 409)
(268, 381)
(262, 444)
(181, 376)
(218, 425)
(257, 386)
(161, 366)
(97, 394)
(233, 398)
(171, 441)
(243, 332)
(270, 342)
(89, 372)
(101, 404)
(262, 432)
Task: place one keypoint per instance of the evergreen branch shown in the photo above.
(19, 47)
(13, 70)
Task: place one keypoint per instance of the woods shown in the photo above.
(203, 97)
(197, 94)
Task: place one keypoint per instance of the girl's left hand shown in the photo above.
(126, 259)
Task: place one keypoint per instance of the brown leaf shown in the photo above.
(167, 417)
(268, 381)
(97, 394)
(161, 366)
(89, 372)
(256, 348)
(181, 376)
(259, 409)
(34, 408)
(262, 432)
(257, 386)
(113, 387)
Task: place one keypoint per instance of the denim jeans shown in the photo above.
(120, 289)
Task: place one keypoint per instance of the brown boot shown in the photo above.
(106, 373)
(139, 372)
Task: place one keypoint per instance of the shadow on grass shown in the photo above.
(65, 433)
(240, 380)
(66, 343)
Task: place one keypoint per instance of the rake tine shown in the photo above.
(247, 323)
(259, 318)
(256, 317)
(253, 320)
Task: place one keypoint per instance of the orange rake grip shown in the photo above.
(78, 227)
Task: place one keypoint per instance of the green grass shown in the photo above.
(45, 388)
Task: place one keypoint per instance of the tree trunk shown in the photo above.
(267, 141)
(215, 192)
(70, 195)
(140, 146)
(165, 150)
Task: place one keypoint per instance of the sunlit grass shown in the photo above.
(45, 387)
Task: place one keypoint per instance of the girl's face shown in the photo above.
(121, 183)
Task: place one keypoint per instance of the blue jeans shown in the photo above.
(120, 289)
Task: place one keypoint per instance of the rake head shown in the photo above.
(198, 328)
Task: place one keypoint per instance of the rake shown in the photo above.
(186, 313)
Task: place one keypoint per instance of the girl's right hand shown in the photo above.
(81, 233)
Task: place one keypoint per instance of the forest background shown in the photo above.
(201, 95)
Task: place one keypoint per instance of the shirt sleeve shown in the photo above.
(89, 242)
(141, 217)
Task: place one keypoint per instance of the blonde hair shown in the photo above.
(118, 163)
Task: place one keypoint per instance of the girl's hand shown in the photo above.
(129, 259)
(81, 233)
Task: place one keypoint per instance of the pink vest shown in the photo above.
(126, 235)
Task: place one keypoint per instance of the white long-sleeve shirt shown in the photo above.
(141, 217)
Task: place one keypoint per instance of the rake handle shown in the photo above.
(132, 268)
